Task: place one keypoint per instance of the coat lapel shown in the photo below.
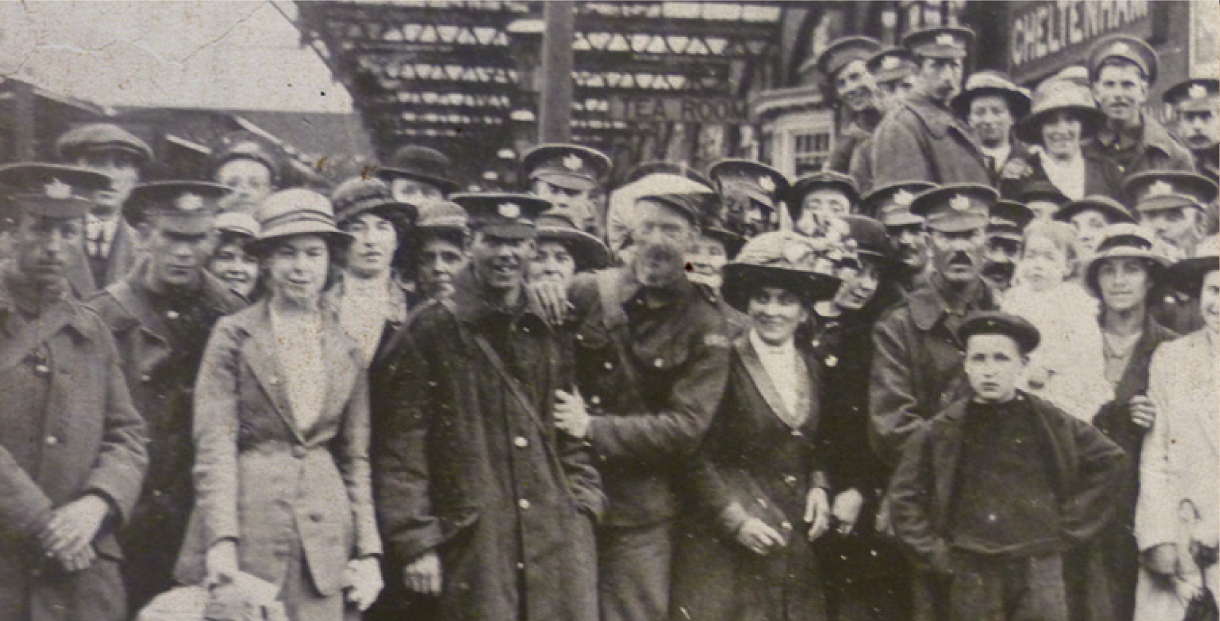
(259, 352)
(762, 381)
(946, 452)
(341, 368)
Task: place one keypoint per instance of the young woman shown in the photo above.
(1124, 274)
(282, 431)
(230, 262)
(761, 494)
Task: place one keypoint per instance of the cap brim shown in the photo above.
(1166, 201)
(579, 183)
(508, 231)
(589, 252)
(901, 219)
(1113, 215)
(957, 224)
(447, 186)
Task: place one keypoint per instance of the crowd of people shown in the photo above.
(966, 372)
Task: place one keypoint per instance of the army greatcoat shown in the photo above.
(471, 466)
(67, 429)
(161, 338)
(922, 140)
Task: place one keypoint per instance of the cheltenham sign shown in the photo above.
(1047, 35)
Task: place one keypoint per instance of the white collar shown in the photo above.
(762, 348)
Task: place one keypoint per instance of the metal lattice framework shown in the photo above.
(463, 76)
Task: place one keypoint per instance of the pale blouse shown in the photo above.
(786, 372)
(299, 351)
(1067, 176)
(363, 309)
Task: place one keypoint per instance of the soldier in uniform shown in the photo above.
(111, 246)
(891, 206)
(894, 70)
(843, 67)
(488, 503)
(922, 139)
(567, 175)
(751, 193)
(250, 164)
(417, 174)
(1005, 230)
(917, 367)
(1090, 216)
(72, 454)
(647, 178)
(991, 105)
(1122, 69)
(1196, 106)
(161, 316)
(652, 354)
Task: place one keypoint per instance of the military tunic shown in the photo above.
(67, 429)
(161, 336)
(922, 140)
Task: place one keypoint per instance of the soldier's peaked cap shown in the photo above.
(49, 190)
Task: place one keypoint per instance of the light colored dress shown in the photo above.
(1179, 497)
(1071, 348)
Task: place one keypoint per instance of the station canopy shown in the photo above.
(463, 77)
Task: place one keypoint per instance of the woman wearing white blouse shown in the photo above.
(757, 480)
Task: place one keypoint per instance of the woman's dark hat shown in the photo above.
(360, 195)
(588, 251)
(1113, 211)
(1187, 274)
(779, 259)
(421, 164)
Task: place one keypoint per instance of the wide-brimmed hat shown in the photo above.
(1060, 96)
(361, 194)
(588, 251)
(779, 259)
(1187, 274)
(421, 164)
(1126, 241)
(1113, 211)
(296, 211)
(992, 83)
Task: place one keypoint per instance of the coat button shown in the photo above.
(521, 566)
(524, 504)
(580, 337)
(595, 400)
(51, 440)
(41, 370)
(525, 329)
(520, 442)
(608, 365)
(762, 502)
(172, 314)
(786, 526)
(789, 479)
(157, 493)
(658, 363)
(146, 378)
(299, 451)
(796, 433)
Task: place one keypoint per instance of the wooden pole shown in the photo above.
(555, 103)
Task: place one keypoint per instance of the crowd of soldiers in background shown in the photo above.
(940, 379)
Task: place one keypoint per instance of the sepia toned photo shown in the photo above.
(576, 310)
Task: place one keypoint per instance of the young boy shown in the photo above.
(995, 492)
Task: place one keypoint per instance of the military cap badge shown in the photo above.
(945, 39)
(959, 203)
(512, 211)
(1160, 188)
(891, 62)
(904, 198)
(1196, 91)
(189, 202)
(766, 183)
(572, 162)
(58, 189)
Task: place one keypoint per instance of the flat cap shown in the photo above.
(97, 137)
(1125, 47)
(946, 42)
(1018, 329)
(956, 207)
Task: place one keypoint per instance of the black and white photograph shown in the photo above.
(579, 310)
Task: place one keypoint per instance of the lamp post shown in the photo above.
(558, 59)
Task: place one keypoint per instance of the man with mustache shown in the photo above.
(567, 175)
(922, 139)
(891, 205)
(1122, 68)
(1005, 231)
(652, 359)
(894, 70)
(489, 506)
(72, 454)
(751, 194)
(843, 67)
(1196, 105)
(161, 316)
(917, 354)
(111, 244)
